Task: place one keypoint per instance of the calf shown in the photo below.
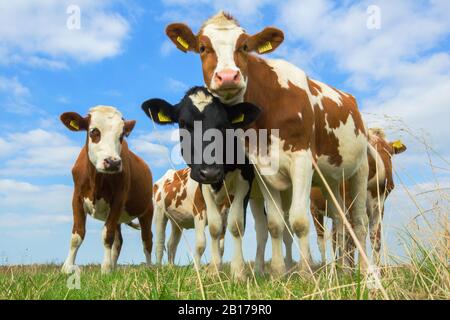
(380, 185)
(112, 184)
(199, 115)
(179, 198)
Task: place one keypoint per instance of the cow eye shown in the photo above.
(121, 137)
(95, 135)
(245, 48)
(202, 49)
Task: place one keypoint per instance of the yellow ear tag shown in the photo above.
(183, 42)
(265, 47)
(397, 144)
(238, 119)
(163, 118)
(74, 125)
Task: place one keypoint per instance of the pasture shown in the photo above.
(424, 276)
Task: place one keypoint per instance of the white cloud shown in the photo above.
(29, 200)
(157, 147)
(400, 68)
(176, 85)
(35, 32)
(14, 97)
(37, 153)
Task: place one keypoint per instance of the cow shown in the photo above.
(380, 185)
(179, 198)
(112, 184)
(198, 115)
(320, 127)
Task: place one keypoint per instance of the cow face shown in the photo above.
(224, 48)
(106, 130)
(199, 114)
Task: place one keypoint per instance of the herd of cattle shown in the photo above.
(329, 163)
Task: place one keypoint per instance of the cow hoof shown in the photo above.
(212, 269)
(68, 268)
(107, 268)
(238, 272)
(278, 269)
(259, 269)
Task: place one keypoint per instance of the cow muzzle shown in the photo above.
(112, 164)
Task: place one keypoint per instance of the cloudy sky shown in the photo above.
(399, 70)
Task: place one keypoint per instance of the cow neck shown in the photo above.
(105, 186)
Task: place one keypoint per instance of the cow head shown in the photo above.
(106, 130)
(224, 48)
(198, 112)
(377, 135)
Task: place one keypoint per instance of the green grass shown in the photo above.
(422, 281)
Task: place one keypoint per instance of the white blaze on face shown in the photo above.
(223, 38)
(109, 122)
(200, 100)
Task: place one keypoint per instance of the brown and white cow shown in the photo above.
(380, 185)
(112, 184)
(176, 196)
(316, 122)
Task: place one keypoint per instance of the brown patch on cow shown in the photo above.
(314, 87)
(208, 57)
(385, 152)
(199, 205)
(175, 189)
(280, 106)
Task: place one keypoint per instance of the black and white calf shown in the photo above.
(204, 123)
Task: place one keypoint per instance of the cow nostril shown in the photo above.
(236, 77)
(219, 78)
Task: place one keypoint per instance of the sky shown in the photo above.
(393, 56)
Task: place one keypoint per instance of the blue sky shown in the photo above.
(400, 74)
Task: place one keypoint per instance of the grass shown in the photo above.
(426, 278)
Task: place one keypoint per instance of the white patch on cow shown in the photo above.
(329, 92)
(200, 100)
(352, 149)
(100, 211)
(300, 116)
(289, 73)
(109, 121)
(148, 256)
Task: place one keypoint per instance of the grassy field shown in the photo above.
(427, 278)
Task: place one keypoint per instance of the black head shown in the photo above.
(203, 122)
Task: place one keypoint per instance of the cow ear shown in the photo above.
(160, 111)
(128, 127)
(243, 114)
(266, 41)
(74, 122)
(182, 36)
(398, 147)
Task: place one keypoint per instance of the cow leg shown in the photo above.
(224, 231)
(117, 246)
(288, 235)
(78, 233)
(146, 233)
(262, 232)
(174, 240)
(319, 224)
(108, 235)
(237, 228)
(301, 176)
(338, 223)
(161, 225)
(215, 225)
(359, 218)
(275, 223)
(200, 239)
(375, 216)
